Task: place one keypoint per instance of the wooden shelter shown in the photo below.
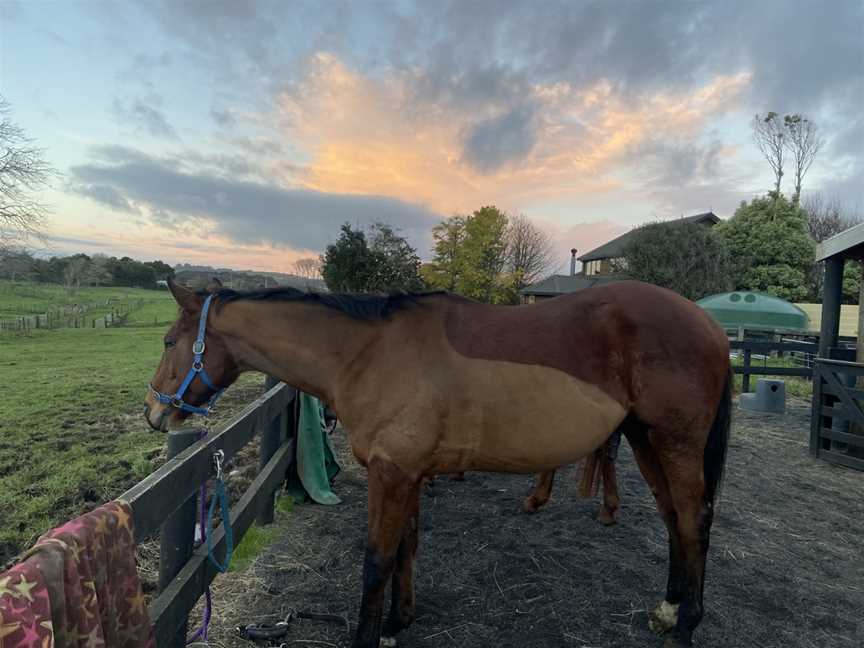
(837, 423)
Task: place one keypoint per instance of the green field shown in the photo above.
(71, 432)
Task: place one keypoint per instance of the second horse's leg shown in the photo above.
(611, 501)
(541, 493)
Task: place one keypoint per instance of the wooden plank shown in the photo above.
(171, 609)
(773, 371)
(767, 347)
(842, 459)
(855, 368)
(843, 437)
(854, 410)
(857, 394)
(816, 406)
(163, 491)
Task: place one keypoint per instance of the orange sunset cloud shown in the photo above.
(369, 136)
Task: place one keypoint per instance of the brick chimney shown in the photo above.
(573, 262)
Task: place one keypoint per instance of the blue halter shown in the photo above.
(197, 369)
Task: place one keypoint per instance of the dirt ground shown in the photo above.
(786, 566)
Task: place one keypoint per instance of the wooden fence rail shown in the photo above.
(749, 347)
(165, 500)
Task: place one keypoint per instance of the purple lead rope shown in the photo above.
(201, 632)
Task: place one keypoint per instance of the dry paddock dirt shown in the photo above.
(786, 566)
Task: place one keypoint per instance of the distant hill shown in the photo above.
(197, 276)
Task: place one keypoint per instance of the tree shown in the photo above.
(471, 257)
(23, 170)
(16, 263)
(73, 274)
(769, 133)
(308, 268)
(689, 258)
(97, 272)
(444, 272)
(530, 254)
(770, 248)
(827, 218)
(161, 269)
(397, 265)
(389, 263)
(803, 143)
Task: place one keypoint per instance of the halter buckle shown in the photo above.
(198, 347)
(197, 366)
(177, 402)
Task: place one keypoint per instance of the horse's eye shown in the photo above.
(170, 344)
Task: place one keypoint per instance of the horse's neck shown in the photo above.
(306, 345)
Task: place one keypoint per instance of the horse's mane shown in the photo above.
(362, 306)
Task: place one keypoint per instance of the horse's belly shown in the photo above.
(526, 418)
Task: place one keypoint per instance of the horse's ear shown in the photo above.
(214, 285)
(187, 299)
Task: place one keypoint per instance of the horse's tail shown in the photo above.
(718, 443)
(589, 484)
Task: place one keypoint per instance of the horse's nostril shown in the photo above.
(147, 411)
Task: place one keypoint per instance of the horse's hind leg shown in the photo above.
(541, 493)
(685, 475)
(393, 499)
(663, 617)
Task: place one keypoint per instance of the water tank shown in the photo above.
(755, 311)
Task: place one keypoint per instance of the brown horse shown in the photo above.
(598, 468)
(432, 384)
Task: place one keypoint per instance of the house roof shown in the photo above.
(848, 243)
(615, 247)
(562, 284)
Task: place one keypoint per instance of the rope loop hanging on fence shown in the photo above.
(222, 496)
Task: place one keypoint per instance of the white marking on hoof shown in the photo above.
(388, 642)
(663, 617)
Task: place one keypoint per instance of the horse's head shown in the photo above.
(196, 363)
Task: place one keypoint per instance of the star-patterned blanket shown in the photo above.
(78, 587)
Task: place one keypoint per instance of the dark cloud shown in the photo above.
(223, 117)
(105, 194)
(492, 143)
(145, 116)
(259, 145)
(246, 212)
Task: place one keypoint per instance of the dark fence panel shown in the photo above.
(837, 424)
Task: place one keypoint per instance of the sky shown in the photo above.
(243, 134)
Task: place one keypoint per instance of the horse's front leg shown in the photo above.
(393, 498)
(402, 607)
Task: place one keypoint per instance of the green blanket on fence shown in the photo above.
(316, 464)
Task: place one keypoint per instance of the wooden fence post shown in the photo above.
(745, 380)
(177, 533)
(271, 439)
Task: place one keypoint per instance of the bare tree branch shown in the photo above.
(529, 250)
(23, 170)
(308, 268)
(803, 143)
(769, 135)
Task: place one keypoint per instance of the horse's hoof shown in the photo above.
(530, 505)
(606, 518)
(663, 618)
(672, 643)
(387, 642)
